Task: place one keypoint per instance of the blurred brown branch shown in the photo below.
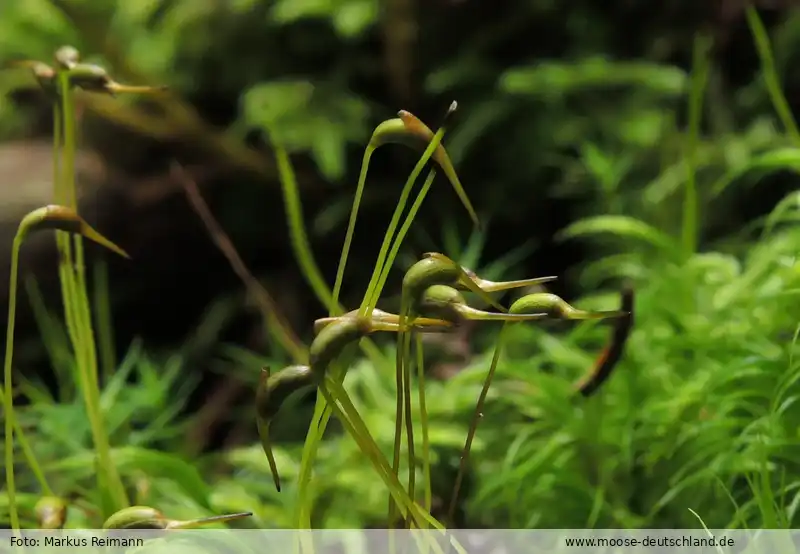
(278, 324)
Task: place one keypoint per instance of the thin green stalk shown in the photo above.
(63, 240)
(351, 224)
(423, 410)
(399, 414)
(412, 459)
(402, 350)
(105, 330)
(12, 425)
(476, 416)
(8, 396)
(373, 291)
(412, 508)
(356, 428)
(313, 276)
(300, 243)
(27, 451)
(401, 234)
(403, 344)
(380, 275)
(322, 412)
(84, 346)
(700, 70)
(771, 78)
(302, 246)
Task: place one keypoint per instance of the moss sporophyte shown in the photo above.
(432, 301)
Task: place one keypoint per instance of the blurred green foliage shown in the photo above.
(545, 115)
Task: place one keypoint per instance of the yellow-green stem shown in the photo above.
(355, 427)
(423, 411)
(412, 459)
(312, 274)
(476, 417)
(63, 241)
(302, 248)
(401, 234)
(351, 225)
(8, 396)
(27, 451)
(412, 508)
(373, 291)
(322, 412)
(399, 393)
(84, 344)
(12, 426)
(402, 351)
(105, 332)
(700, 69)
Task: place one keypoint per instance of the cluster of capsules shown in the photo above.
(433, 301)
(90, 78)
(51, 511)
(85, 76)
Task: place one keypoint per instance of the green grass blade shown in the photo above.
(701, 66)
(771, 77)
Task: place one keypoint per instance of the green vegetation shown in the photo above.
(698, 419)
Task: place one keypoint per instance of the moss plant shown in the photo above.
(64, 220)
(332, 348)
(430, 301)
(60, 83)
(322, 411)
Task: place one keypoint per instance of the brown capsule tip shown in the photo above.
(66, 219)
(413, 123)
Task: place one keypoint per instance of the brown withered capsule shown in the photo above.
(51, 512)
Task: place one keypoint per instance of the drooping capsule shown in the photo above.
(64, 219)
(272, 391)
(449, 304)
(51, 512)
(145, 517)
(409, 130)
(556, 307)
